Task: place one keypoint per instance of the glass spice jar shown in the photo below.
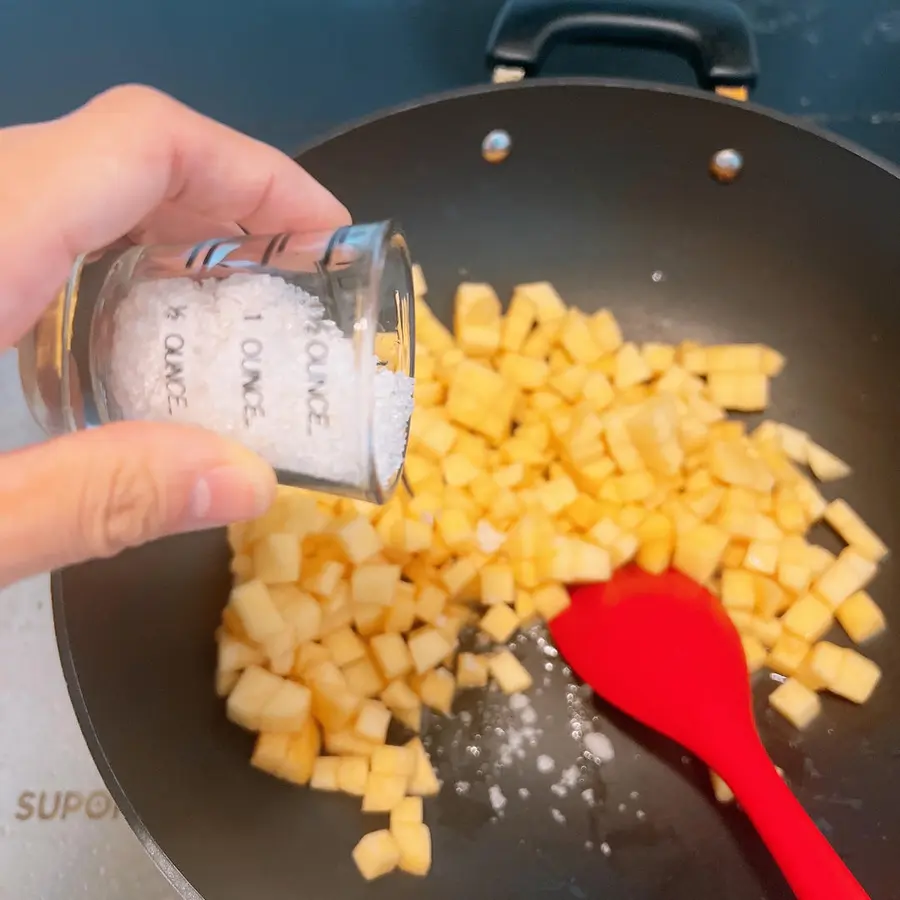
(300, 346)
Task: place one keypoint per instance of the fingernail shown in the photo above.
(230, 494)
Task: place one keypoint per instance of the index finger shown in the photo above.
(79, 183)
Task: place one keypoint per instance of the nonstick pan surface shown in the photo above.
(606, 193)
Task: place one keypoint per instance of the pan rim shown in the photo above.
(434, 98)
(161, 860)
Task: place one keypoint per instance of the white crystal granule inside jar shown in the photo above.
(236, 355)
(299, 347)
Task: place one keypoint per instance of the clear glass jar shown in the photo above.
(301, 347)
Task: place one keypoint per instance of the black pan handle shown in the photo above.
(713, 35)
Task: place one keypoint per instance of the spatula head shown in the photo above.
(663, 650)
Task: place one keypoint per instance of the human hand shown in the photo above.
(134, 164)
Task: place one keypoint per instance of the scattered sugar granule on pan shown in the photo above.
(498, 800)
(605, 849)
(545, 764)
(255, 358)
(599, 746)
(588, 796)
(524, 793)
(558, 817)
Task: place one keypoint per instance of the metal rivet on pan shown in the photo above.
(496, 145)
(726, 165)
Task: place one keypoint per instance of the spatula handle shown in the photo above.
(808, 862)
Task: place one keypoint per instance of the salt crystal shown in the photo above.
(545, 764)
(605, 849)
(641, 815)
(588, 796)
(599, 746)
(498, 801)
(559, 790)
(462, 787)
(558, 816)
(569, 776)
(524, 793)
(254, 358)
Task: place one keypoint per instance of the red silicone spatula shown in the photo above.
(661, 648)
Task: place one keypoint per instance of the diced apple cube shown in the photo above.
(270, 752)
(551, 600)
(509, 673)
(307, 657)
(401, 614)
(738, 589)
(430, 604)
(364, 678)
(825, 465)
(235, 655)
(353, 775)
(796, 702)
(860, 617)
(383, 792)
(427, 647)
(369, 618)
(458, 574)
(762, 557)
(345, 646)
(372, 721)
(375, 584)
(246, 702)
(499, 622)
(850, 573)
(304, 615)
(288, 710)
(424, 783)
(376, 854)
(847, 523)
(409, 809)
(754, 651)
(768, 631)
(348, 743)
(808, 618)
(414, 841)
(497, 584)
(698, 552)
(302, 754)
(471, 670)
(325, 774)
(359, 539)
(787, 654)
(399, 696)
(276, 559)
(392, 655)
(771, 597)
(857, 677)
(437, 689)
(821, 666)
(390, 760)
(723, 793)
(740, 391)
(334, 705)
(324, 580)
(255, 610)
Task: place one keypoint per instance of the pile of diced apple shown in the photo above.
(544, 451)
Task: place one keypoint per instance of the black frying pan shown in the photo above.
(606, 184)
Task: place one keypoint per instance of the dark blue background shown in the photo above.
(288, 70)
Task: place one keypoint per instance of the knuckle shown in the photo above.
(123, 508)
(147, 102)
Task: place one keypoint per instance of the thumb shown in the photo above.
(96, 492)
